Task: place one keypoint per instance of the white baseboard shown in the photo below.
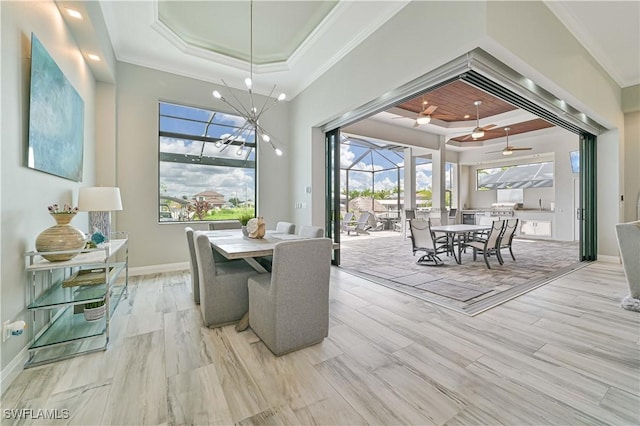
(609, 259)
(155, 269)
(11, 371)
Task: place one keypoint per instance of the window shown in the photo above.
(200, 179)
(536, 175)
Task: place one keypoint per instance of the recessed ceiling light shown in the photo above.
(467, 116)
(93, 57)
(74, 13)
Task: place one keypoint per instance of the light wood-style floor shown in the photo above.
(563, 354)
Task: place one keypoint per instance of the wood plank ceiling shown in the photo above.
(455, 102)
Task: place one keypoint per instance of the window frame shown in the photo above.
(248, 160)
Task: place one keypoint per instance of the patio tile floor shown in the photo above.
(385, 258)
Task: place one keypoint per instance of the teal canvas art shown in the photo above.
(56, 118)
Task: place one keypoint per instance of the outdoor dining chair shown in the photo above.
(506, 239)
(489, 245)
(422, 240)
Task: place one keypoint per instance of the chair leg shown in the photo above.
(512, 256)
(474, 254)
(486, 259)
(499, 256)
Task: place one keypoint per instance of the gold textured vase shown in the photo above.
(61, 237)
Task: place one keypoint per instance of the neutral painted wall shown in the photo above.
(26, 193)
(631, 168)
(139, 90)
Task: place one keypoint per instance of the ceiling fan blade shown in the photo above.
(429, 110)
(491, 152)
(519, 149)
(488, 126)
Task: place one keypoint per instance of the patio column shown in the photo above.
(409, 180)
(438, 182)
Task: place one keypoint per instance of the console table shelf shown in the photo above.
(58, 293)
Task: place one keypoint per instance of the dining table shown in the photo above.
(232, 244)
(455, 233)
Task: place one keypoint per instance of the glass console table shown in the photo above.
(59, 292)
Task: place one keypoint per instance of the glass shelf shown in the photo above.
(58, 328)
(56, 353)
(69, 327)
(87, 257)
(59, 295)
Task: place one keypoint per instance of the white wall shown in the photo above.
(631, 169)
(139, 90)
(26, 193)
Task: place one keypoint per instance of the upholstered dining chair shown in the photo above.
(489, 245)
(224, 298)
(308, 231)
(422, 240)
(285, 228)
(510, 228)
(289, 308)
(193, 265)
(225, 224)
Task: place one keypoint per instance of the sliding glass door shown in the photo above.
(587, 212)
(332, 189)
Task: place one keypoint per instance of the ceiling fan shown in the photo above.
(425, 116)
(478, 131)
(508, 150)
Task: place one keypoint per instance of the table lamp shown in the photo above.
(99, 201)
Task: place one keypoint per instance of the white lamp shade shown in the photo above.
(99, 199)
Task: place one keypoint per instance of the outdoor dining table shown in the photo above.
(455, 232)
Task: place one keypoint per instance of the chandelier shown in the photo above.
(250, 114)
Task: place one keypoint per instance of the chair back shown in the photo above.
(497, 227)
(285, 228)
(363, 219)
(308, 231)
(206, 264)
(435, 221)
(509, 232)
(348, 217)
(453, 212)
(225, 224)
(193, 264)
(372, 221)
(410, 214)
(420, 231)
(300, 272)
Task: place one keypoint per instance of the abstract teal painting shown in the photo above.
(56, 118)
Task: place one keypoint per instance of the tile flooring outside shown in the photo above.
(386, 258)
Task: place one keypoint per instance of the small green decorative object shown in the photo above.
(98, 238)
